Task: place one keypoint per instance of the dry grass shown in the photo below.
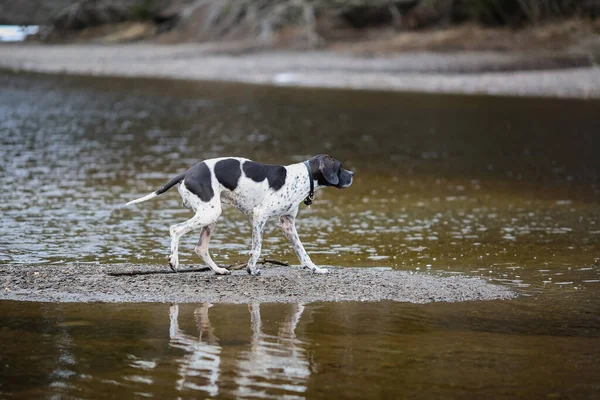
(121, 32)
(472, 37)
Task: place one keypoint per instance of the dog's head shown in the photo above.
(328, 171)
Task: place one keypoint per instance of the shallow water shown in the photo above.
(507, 189)
(320, 350)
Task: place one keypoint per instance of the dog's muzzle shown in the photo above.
(346, 178)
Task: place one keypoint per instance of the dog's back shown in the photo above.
(243, 183)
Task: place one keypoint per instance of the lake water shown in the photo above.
(503, 188)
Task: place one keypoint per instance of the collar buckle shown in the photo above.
(309, 199)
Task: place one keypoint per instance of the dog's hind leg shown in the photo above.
(202, 250)
(205, 216)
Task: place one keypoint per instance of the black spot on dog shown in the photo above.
(198, 181)
(228, 173)
(258, 172)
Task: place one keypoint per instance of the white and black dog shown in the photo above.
(258, 190)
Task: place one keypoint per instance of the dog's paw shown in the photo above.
(255, 272)
(173, 263)
(318, 270)
(223, 271)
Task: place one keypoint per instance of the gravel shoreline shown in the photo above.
(463, 73)
(92, 283)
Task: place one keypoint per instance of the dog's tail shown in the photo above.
(163, 189)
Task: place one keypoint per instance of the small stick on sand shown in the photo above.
(231, 267)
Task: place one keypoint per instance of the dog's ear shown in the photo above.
(327, 166)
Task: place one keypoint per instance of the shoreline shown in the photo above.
(277, 284)
(562, 75)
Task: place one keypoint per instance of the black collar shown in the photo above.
(311, 195)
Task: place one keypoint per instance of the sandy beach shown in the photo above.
(568, 75)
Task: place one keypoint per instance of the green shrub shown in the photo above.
(514, 12)
(143, 10)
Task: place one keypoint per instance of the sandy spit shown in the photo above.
(92, 283)
(463, 73)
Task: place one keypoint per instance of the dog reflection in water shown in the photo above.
(277, 358)
(203, 353)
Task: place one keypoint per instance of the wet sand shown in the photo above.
(567, 75)
(92, 283)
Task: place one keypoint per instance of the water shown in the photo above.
(15, 33)
(501, 188)
(321, 350)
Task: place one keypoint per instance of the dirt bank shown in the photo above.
(469, 73)
(88, 283)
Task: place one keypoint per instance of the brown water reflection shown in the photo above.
(270, 364)
(322, 350)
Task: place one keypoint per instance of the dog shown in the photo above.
(260, 191)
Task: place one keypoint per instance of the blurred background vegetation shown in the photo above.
(284, 22)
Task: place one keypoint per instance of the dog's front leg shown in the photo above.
(258, 226)
(287, 223)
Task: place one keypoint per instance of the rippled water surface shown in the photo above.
(502, 188)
